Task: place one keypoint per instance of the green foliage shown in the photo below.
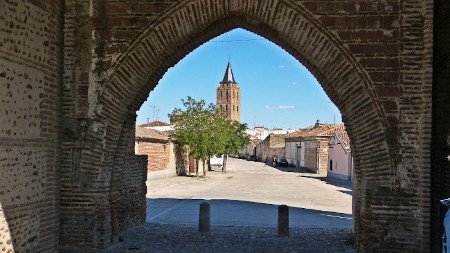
(206, 131)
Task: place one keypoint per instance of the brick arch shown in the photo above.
(190, 23)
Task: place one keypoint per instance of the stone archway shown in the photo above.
(380, 182)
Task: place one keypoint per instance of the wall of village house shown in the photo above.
(263, 151)
(316, 156)
(311, 162)
(291, 152)
(30, 120)
(323, 157)
(341, 159)
(161, 158)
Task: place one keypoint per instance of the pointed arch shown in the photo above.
(165, 41)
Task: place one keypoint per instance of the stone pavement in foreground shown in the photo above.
(185, 238)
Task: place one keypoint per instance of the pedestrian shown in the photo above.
(274, 162)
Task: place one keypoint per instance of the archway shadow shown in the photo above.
(225, 212)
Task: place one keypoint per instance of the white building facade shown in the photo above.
(340, 161)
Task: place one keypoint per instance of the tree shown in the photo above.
(236, 139)
(193, 127)
(207, 132)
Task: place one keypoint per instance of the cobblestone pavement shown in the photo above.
(185, 238)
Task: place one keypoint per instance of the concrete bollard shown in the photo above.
(204, 221)
(283, 220)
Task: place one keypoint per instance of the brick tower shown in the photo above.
(228, 96)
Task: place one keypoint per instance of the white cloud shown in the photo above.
(279, 107)
(295, 83)
(282, 66)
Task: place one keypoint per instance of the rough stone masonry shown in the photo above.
(73, 73)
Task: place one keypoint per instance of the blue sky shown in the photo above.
(277, 91)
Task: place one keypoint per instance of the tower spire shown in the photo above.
(228, 77)
(228, 99)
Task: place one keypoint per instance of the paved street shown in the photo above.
(248, 195)
(244, 213)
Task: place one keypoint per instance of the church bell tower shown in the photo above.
(228, 98)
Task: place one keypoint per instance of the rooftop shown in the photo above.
(143, 133)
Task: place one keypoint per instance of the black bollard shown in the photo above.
(204, 221)
(283, 220)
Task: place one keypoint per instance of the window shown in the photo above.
(331, 165)
(237, 108)
(226, 107)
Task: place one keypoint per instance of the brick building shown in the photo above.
(159, 149)
(228, 96)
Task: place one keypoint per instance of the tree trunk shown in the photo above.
(196, 167)
(209, 163)
(224, 167)
(204, 168)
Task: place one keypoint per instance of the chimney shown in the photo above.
(317, 124)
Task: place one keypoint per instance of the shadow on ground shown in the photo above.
(236, 226)
(226, 212)
(333, 181)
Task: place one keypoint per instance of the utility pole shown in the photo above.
(154, 110)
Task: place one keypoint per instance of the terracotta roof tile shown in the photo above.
(151, 134)
(154, 124)
(322, 130)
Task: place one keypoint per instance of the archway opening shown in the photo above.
(280, 101)
(138, 70)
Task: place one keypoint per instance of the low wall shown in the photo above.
(128, 197)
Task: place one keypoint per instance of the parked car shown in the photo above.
(282, 162)
(253, 158)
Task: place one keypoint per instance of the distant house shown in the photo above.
(159, 149)
(308, 147)
(340, 162)
(272, 146)
(257, 135)
(158, 125)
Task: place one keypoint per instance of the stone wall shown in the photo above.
(128, 194)
(30, 99)
(316, 156)
(272, 146)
